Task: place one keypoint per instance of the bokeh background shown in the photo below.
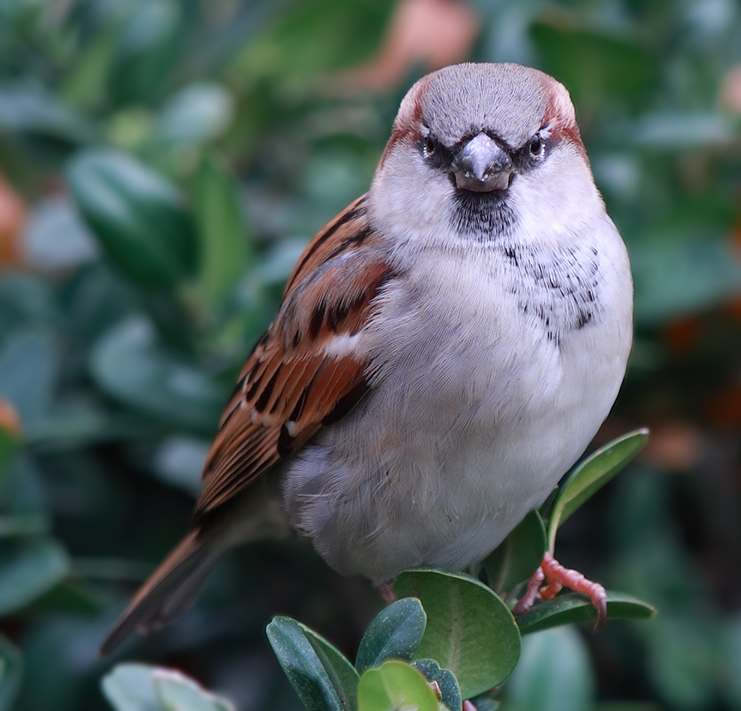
(162, 164)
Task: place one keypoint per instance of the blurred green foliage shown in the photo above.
(219, 136)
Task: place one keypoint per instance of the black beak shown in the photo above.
(482, 166)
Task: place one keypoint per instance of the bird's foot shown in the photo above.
(557, 577)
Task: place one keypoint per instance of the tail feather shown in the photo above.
(169, 590)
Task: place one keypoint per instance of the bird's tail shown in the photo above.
(169, 590)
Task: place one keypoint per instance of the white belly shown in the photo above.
(495, 390)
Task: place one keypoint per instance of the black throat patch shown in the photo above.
(484, 217)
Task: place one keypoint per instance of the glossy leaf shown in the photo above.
(27, 570)
(147, 50)
(25, 500)
(28, 371)
(469, 629)
(30, 111)
(598, 66)
(394, 633)
(27, 525)
(395, 686)
(130, 687)
(137, 216)
(518, 556)
(11, 673)
(176, 691)
(224, 242)
(9, 435)
(591, 475)
(554, 674)
(450, 692)
(670, 130)
(197, 113)
(178, 460)
(486, 703)
(141, 687)
(674, 278)
(321, 676)
(342, 673)
(128, 364)
(71, 595)
(571, 608)
(84, 84)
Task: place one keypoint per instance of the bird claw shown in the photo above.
(557, 577)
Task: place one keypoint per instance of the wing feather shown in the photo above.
(301, 374)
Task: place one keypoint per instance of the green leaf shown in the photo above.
(395, 632)
(71, 595)
(469, 629)
(678, 277)
(178, 461)
(518, 556)
(450, 692)
(554, 674)
(395, 686)
(141, 687)
(731, 646)
(148, 48)
(196, 113)
(600, 66)
(9, 443)
(342, 673)
(26, 525)
(130, 687)
(24, 498)
(84, 83)
(28, 371)
(11, 666)
(49, 125)
(572, 608)
(673, 131)
(321, 676)
(225, 247)
(486, 703)
(128, 364)
(28, 569)
(137, 216)
(591, 475)
(177, 692)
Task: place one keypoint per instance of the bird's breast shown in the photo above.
(491, 373)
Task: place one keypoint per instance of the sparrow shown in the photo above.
(446, 348)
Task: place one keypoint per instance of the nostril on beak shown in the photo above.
(482, 166)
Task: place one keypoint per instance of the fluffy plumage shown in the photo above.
(446, 348)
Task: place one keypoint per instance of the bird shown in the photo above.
(446, 348)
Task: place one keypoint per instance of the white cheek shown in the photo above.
(558, 197)
(408, 195)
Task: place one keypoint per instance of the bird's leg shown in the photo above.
(387, 591)
(531, 592)
(557, 577)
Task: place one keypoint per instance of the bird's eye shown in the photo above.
(430, 146)
(536, 145)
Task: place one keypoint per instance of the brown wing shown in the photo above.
(300, 376)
